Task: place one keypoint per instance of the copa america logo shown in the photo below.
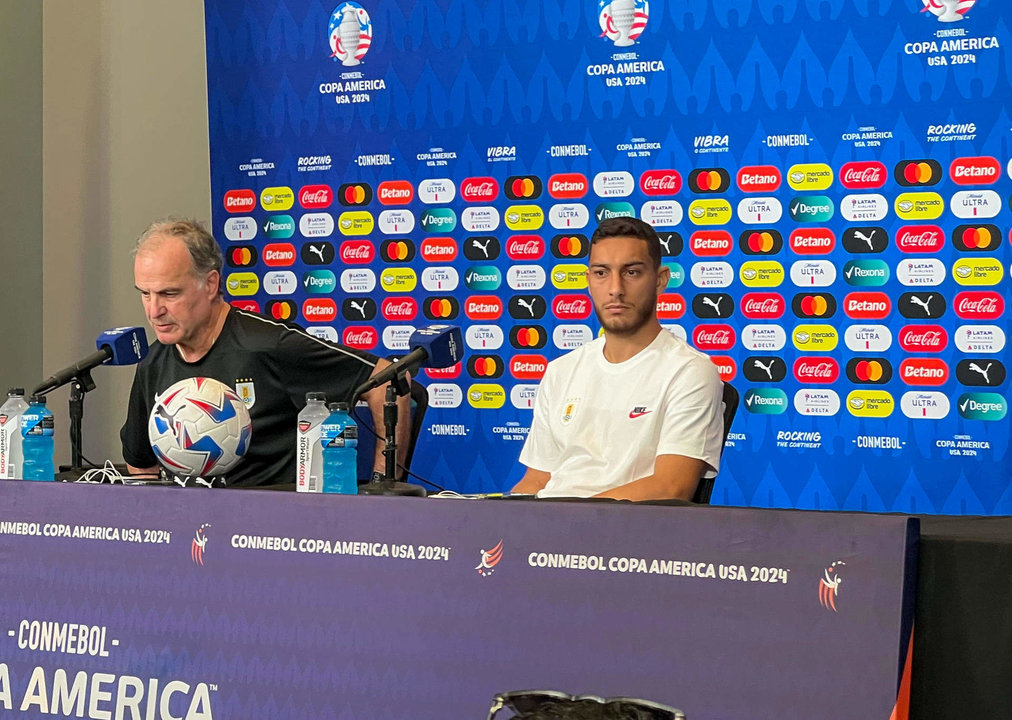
(948, 10)
(622, 21)
(350, 31)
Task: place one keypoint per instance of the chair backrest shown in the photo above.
(730, 399)
(367, 440)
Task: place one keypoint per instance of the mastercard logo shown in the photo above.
(815, 306)
(242, 256)
(529, 336)
(713, 180)
(570, 246)
(353, 194)
(281, 309)
(485, 366)
(397, 250)
(917, 173)
(976, 238)
(869, 371)
(761, 242)
(441, 308)
(522, 187)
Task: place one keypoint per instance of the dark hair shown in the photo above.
(204, 251)
(634, 228)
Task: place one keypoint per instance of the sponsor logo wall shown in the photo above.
(835, 216)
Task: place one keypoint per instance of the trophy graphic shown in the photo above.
(948, 10)
(622, 21)
(350, 33)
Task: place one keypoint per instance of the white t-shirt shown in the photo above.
(598, 425)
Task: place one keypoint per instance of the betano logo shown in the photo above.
(395, 280)
(237, 201)
(319, 310)
(924, 371)
(812, 241)
(867, 305)
(870, 403)
(568, 186)
(758, 178)
(974, 170)
(439, 249)
(396, 192)
(711, 243)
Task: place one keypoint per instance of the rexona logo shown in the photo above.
(237, 201)
(919, 205)
(568, 186)
(482, 277)
(479, 189)
(866, 175)
(982, 406)
(979, 305)
(396, 280)
(815, 338)
(528, 367)
(865, 239)
(921, 405)
(917, 173)
(397, 250)
(977, 271)
(315, 197)
(761, 273)
(868, 338)
(726, 367)
(660, 182)
(395, 192)
(486, 396)
(528, 336)
(485, 366)
(319, 310)
(524, 217)
(439, 249)
(242, 284)
(922, 305)
(762, 306)
(984, 372)
(976, 238)
(814, 305)
(441, 308)
(711, 243)
(279, 254)
(608, 210)
(923, 338)
(974, 170)
(571, 307)
(867, 305)
(812, 241)
(763, 368)
(761, 242)
(570, 246)
(319, 282)
(241, 256)
(482, 248)
(281, 309)
(360, 337)
(277, 199)
(357, 252)
(920, 239)
(279, 227)
(525, 247)
(438, 220)
(356, 222)
(483, 307)
(810, 176)
(713, 306)
(439, 190)
(569, 277)
(866, 272)
(758, 178)
(869, 370)
(870, 403)
(354, 194)
(670, 306)
(816, 370)
(523, 187)
(708, 211)
(709, 180)
(811, 209)
(765, 401)
(360, 309)
(714, 337)
(924, 371)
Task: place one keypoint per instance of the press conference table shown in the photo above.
(264, 604)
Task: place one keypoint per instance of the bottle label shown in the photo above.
(35, 426)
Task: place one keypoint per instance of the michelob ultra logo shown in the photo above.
(982, 406)
(868, 338)
(921, 405)
(810, 176)
(277, 199)
(975, 204)
(974, 170)
(436, 190)
(240, 228)
(765, 401)
(486, 396)
(919, 205)
(870, 403)
(811, 208)
(815, 338)
(760, 210)
(396, 222)
(710, 211)
(976, 238)
(398, 280)
(813, 273)
(569, 277)
(319, 282)
(437, 220)
(242, 283)
(761, 242)
(482, 277)
(355, 222)
(281, 282)
(917, 173)
(565, 216)
(608, 210)
(440, 278)
(864, 273)
(977, 271)
(279, 227)
(524, 217)
(761, 273)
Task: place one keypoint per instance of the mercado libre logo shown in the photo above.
(948, 10)
(199, 544)
(829, 585)
(489, 559)
(622, 21)
(350, 34)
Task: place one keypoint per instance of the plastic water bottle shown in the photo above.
(37, 440)
(339, 440)
(10, 433)
(308, 451)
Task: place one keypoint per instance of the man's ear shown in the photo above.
(663, 278)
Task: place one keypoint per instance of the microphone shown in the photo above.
(435, 346)
(119, 346)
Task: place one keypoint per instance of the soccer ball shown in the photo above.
(199, 427)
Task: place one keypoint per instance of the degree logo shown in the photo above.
(974, 170)
(917, 173)
(761, 242)
(870, 403)
(811, 209)
(277, 199)
(869, 370)
(660, 182)
(522, 187)
(709, 180)
(982, 406)
(242, 256)
(486, 396)
(814, 305)
(864, 240)
(570, 246)
(438, 220)
(356, 222)
(396, 192)
(710, 211)
(349, 34)
(354, 194)
(485, 366)
(810, 176)
(319, 282)
(281, 309)
(765, 401)
(397, 250)
(528, 336)
(441, 308)
(976, 238)
(398, 279)
(361, 309)
(759, 178)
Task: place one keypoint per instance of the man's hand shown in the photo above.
(675, 478)
(153, 470)
(532, 482)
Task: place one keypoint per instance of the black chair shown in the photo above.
(367, 438)
(705, 487)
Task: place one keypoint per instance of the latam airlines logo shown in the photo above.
(948, 10)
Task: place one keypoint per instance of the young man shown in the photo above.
(177, 270)
(635, 414)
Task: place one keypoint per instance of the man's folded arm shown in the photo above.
(674, 478)
(532, 482)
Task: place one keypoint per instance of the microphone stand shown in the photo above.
(389, 485)
(81, 384)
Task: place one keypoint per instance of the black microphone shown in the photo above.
(119, 346)
(436, 346)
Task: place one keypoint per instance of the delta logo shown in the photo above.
(531, 337)
(976, 238)
(924, 371)
(866, 175)
(485, 366)
(869, 370)
(974, 171)
(709, 180)
(397, 250)
(395, 192)
(360, 337)
(762, 306)
(812, 241)
(238, 201)
(920, 238)
(727, 368)
(354, 194)
(659, 183)
(917, 173)
(711, 243)
(282, 309)
(867, 305)
(319, 310)
(522, 187)
(439, 249)
(758, 178)
(670, 306)
(525, 247)
(923, 338)
(528, 367)
(714, 337)
(761, 242)
(613, 184)
(816, 370)
(979, 305)
(570, 246)
(568, 186)
(441, 308)
(479, 189)
(279, 254)
(483, 307)
(242, 256)
(357, 252)
(316, 197)
(571, 307)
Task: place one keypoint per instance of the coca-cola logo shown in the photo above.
(924, 371)
(447, 373)
(865, 175)
(571, 307)
(357, 252)
(711, 243)
(395, 192)
(360, 337)
(816, 370)
(528, 367)
(759, 306)
(867, 305)
(813, 241)
(479, 189)
(974, 170)
(439, 249)
(399, 309)
(920, 238)
(319, 310)
(483, 307)
(660, 182)
(759, 178)
(525, 247)
(713, 337)
(726, 367)
(237, 201)
(567, 186)
(979, 305)
(923, 338)
(313, 197)
(247, 305)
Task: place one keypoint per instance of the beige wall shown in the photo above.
(124, 141)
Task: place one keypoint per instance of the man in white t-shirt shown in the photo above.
(635, 414)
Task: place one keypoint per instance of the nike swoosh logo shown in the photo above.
(962, 405)
(634, 415)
